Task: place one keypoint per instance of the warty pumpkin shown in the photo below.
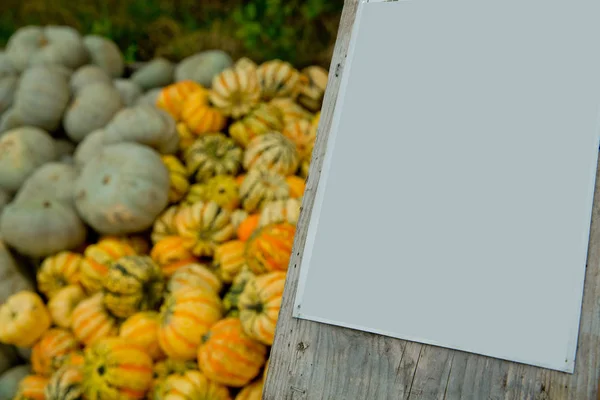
(229, 258)
(133, 283)
(23, 319)
(211, 155)
(97, 259)
(65, 384)
(194, 275)
(229, 356)
(177, 176)
(91, 321)
(279, 211)
(278, 79)
(185, 316)
(235, 91)
(272, 151)
(62, 304)
(115, 369)
(262, 119)
(259, 305)
(32, 388)
(270, 247)
(55, 342)
(201, 117)
(58, 271)
(203, 226)
(261, 186)
(164, 225)
(170, 254)
(252, 391)
(173, 97)
(141, 329)
(189, 385)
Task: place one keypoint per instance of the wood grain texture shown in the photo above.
(311, 360)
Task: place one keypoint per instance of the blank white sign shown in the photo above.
(455, 198)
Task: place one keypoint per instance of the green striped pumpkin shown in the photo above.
(133, 283)
(274, 152)
(261, 186)
(65, 384)
(211, 155)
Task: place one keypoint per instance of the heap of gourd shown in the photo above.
(155, 214)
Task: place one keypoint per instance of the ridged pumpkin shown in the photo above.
(312, 87)
(290, 110)
(211, 155)
(200, 117)
(272, 151)
(142, 329)
(170, 254)
(278, 79)
(303, 135)
(23, 319)
(164, 225)
(178, 177)
(194, 275)
(223, 190)
(235, 91)
(91, 321)
(280, 211)
(65, 384)
(97, 259)
(259, 305)
(261, 186)
(116, 369)
(248, 225)
(251, 392)
(32, 388)
(270, 247)
(297, 186)
(189, 385)
(229, 258)
(58, 271)
(54, 343)
(232, 297)
(62, 304)
(172, 97)
(168, 366)
(229, 356)
(133, 283)
(185, 316)
(262, 119)
(203, 226)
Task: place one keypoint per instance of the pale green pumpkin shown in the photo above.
(86, 75)
(155, 74)
(53, 180)
(104, 53)
(129, 91)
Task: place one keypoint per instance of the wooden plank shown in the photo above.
(311, 360)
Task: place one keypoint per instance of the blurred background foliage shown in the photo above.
(299, 31)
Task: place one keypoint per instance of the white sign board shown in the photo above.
(455, 198)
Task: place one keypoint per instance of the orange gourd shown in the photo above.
(170, 254)
(172, 97)
(142, 329)
(270, 247)
(248, 226)
(297, 186)
(200, 117)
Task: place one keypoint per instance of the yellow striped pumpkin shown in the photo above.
(235, 91)
(66, 384)
(185, 316)
(97, 259)
(278, 79)
(229, 258)
(211, 155)
(62, 304)
(262, 119)
(91, 321)
(173, 97)
(178, 177)
(191, 384)
(229, 356)
(261, 186)
(194, 275)
(203, 226)
(32, 387)
(54, 343)
(116, 369)
(168, 366)
(232, 297)
(223, 190)
(291, 111)
(133, 283)
(302, 133)
(23, 319)
(270, 247)
(141, 329)
(58, 271)
(272, 151)
(170, 254)
(164, 225)
(200, 117)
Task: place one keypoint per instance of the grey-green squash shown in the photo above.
(6, 65)
(9, 381)
(144, 124)
(156, 73)
(22, 151)
(86, 75)
(13, 276)
(105, 53)
(8, 87)
(39, 226)
(88, 147)
(122, 189)
(53, 180)
(129, 90)
(23, 44)
(42, 97)
(203, 67)
(10, 120)
(149, 98)
(93, 107)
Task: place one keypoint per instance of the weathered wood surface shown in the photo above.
(317, 361)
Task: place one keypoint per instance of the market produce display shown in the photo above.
(147, 218)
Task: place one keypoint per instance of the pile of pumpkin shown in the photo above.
(157, 226)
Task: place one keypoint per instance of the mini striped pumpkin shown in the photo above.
(164, 225)
(302, 133)
(32, 387)
(58, 271)
(312, 87)
(97, 259)
(261, 186)
(279, 211)
(274, 152)
(203, 226)
(252, 391)
(185, 316)
(211, 155)
(229, 356)
(91, 321)
(178, 177)
(116, 369)
(170, 254)
(290, 110)
(200, 117)
(278, 79)
(54, 343)
(262, 119)
(190, 384)
(194, 275)
(173, 97)
(270, 247)
(133, 283)
(235, 91)
(223, 190)
(141, 329)
(163, 368)
(229, 258)
(66, 384)
(62, 304)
